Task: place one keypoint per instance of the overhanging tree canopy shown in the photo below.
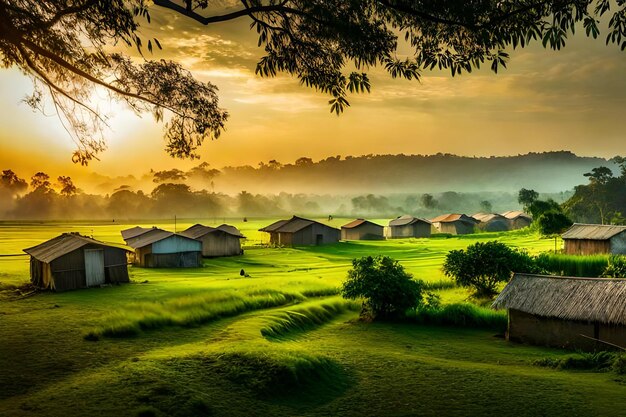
(328, 45)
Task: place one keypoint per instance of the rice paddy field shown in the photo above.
(206, 341)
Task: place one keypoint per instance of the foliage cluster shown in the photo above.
(601, 361)
(484, 265)
(387, 289)
(573, 265)
(603, 199)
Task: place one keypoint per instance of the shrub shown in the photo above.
(616, 267)
(387, 289)
(594, 361)
(485, 264)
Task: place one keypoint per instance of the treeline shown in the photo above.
(603, 199)
(44, 198)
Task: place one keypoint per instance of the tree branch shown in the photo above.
(206, 20)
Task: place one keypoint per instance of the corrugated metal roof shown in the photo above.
(448, 218)
(149, 238)
(197, 230)
(274, 226)
(292, 225)
(514, 214)
(54, 248)
(592, 231)
(487, 217)
(231, 230)
(406, 220)
(135, 231)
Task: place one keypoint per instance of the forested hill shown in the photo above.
(545, 172)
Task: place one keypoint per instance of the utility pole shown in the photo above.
(175, 225)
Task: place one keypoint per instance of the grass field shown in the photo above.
(208, 342)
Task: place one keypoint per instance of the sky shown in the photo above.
(572, 99)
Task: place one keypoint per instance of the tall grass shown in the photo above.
(461, 315)
(305, 318)
(601, 361)
(186, 311)
(277, 371)
(573, 265)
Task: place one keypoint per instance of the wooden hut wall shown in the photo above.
(586, 247)
(220, 244)
(68, 271)
(115, 265)
(519, 223)
(497, 225)
(401, 231)
(545, 331)
(365, 231)
(309, 235)
(421, 229)
(36, 273)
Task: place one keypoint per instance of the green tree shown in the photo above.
(387, 289)
(599, 175)
(483, 265)
(527, 197)
(553, 222)
(538, 207)
(62, 46)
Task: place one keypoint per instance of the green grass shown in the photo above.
(462, 315)
(573, 265)
(198, 348)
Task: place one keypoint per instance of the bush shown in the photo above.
(587, 361)
(388, 290)
(616, 267)
(485, 264)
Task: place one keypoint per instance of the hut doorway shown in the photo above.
(94, 267)
(319, 239)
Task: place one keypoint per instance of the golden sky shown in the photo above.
(572, 100)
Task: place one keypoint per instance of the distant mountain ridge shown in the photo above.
(548, 172)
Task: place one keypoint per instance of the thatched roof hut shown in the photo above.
(361, 229)
(456, 224)
(578, 313)
(224, 240)
(298, 231)
(589, 239)
(71, 261)
(408, 226)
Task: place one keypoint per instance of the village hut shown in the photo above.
(71, 261)
(565, 312)
(301, 232)
(517, 219)
(408, 226)
(224, 240)
(491, 222)
(361, 229)
(589, 239)
(162, 249)
(455, 224)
